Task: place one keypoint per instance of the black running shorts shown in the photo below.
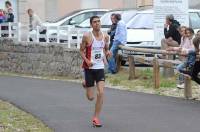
(93, 75)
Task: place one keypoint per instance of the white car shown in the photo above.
(70, 20)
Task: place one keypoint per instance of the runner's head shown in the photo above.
(95, 23)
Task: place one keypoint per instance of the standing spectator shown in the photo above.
(120, 38)
(8, 5)
(2, 16)
(171, 32)
(35, 21)
(112, 30)
(10, 15)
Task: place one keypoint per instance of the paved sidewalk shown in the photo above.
(63, 106)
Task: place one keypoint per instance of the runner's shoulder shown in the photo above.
(87, 35)
(106, 36)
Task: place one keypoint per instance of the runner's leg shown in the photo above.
(99, 101)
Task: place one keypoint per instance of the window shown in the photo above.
(194, 20)
(141, 21)
(127, 15)
(78, 19)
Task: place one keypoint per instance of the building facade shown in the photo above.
(52, 9)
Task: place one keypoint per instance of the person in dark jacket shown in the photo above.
(112, 30)
(10, 16)
(171, 32)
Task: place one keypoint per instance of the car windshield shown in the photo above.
(105, 19)
(69, 14)
(126, 16)
(85, 23)
(141, 21)
(195, 20)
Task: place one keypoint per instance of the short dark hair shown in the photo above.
(8, 3)
(170, 17)
(92, 18)
(29, 10)
(118, 16)
(113, 14)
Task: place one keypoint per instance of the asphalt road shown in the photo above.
(64, 107)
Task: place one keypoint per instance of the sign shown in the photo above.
(162, 8)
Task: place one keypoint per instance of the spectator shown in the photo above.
(187, 50)
(112, 30)
(10, 15)
(8, 5)
(120, 38)
(171, 32)
(192, 62)
(2, 16)
(198, 33)
(185, 46)
(35, 21)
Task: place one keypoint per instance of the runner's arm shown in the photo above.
(107, 52)
(82, 50)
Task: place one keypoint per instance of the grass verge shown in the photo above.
(143, 82)
(13, 119)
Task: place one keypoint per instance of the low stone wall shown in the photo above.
(39, 58)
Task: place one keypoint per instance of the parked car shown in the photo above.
(70, 20)
(127, 14)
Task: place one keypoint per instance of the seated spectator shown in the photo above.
(172, 35)
(188, 67)
(198, 33)
(184, 48)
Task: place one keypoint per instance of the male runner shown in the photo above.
(93, 49)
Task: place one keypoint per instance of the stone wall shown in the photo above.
(39, 58)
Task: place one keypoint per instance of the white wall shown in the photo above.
(90, 4)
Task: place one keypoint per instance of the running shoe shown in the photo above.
(96, 122)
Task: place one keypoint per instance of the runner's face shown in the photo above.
(96, 24)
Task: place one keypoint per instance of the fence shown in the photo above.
(156, 64)
(60, 34)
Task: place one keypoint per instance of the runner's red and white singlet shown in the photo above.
(95, 53)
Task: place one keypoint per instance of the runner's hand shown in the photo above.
(89, 63)
(108, 54)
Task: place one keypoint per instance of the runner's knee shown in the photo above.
(90, 98)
